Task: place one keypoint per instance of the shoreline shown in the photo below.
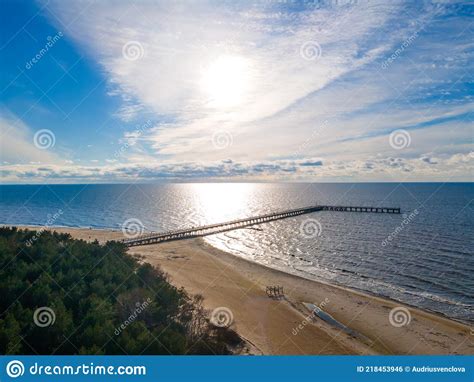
(283, 326)
(352, 289)
(228, 253)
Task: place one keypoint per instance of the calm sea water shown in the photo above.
(423, 257)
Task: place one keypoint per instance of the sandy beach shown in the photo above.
(284, 326)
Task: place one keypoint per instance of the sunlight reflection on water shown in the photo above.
(429, 263)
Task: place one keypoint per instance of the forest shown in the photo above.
(59, 295)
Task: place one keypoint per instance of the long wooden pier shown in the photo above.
(155, 237)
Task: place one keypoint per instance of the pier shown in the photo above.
(188, 233)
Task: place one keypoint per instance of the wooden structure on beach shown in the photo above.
(211, 229)
(275, 291)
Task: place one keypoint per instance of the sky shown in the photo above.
(147, 91)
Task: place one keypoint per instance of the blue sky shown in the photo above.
(115, 91)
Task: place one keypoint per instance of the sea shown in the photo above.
(423, 257)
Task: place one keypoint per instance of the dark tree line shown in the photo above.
(104, 301)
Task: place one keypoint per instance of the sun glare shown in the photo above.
(225, 81)
(223, 201)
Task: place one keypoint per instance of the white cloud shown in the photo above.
(17, 143)
(316, 169)
(181, 42)
(235, 67)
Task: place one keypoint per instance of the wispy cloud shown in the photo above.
(302, 90)
(18, 144)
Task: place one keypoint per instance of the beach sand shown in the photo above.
(284, 326)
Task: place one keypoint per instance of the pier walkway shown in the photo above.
(155, 237)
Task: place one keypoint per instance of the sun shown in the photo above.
(225, 81)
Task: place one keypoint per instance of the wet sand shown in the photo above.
(284, 325)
